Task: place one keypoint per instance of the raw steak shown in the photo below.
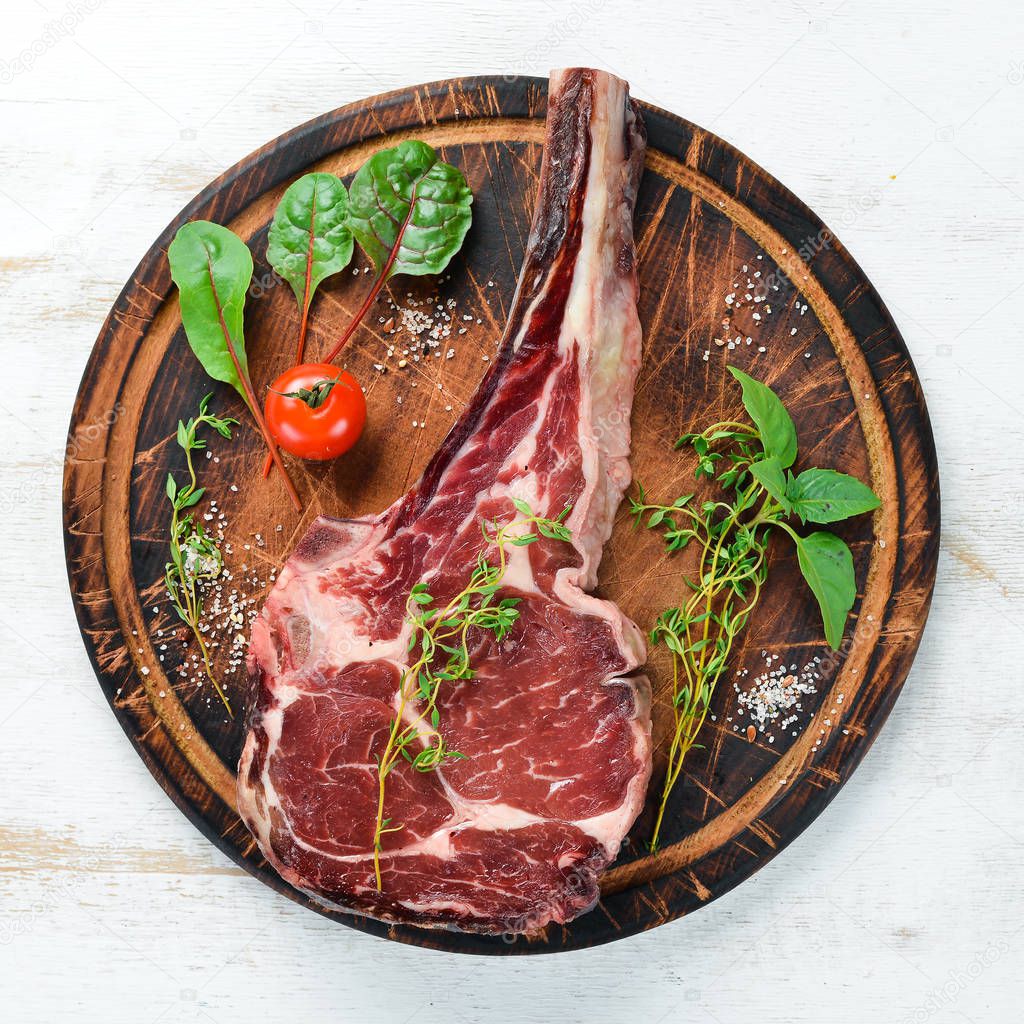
(555, 725)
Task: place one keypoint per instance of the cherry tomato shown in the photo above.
(315, 411)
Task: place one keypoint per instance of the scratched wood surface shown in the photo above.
(710, 225)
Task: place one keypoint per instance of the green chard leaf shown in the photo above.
(825, 496)
(407, 197)
(212, 268)
(827, 566)
(309, 239)
(778, 435)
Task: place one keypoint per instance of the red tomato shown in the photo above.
(315, 411)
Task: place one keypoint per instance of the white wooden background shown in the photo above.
(899, 121)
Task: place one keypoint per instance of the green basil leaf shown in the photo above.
(770, 475)
(778, 435)
(212, 268)
(827, 566)
(825, 496)
(406, 197)
(309, 238)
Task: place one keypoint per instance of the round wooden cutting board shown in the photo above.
(734, 269)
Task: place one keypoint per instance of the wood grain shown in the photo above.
(705, 213)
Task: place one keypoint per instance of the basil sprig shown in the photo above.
(813, 496)
(751, 462)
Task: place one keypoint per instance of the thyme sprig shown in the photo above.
(440, 637)
(195, 557)
(750, 462)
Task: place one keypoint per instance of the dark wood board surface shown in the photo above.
(708, 221)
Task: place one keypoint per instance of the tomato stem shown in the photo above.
(268, 462)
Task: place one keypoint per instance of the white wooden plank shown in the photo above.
(899, 123)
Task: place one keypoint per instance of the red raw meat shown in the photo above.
(555, 725)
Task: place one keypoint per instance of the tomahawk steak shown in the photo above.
(555, 724)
